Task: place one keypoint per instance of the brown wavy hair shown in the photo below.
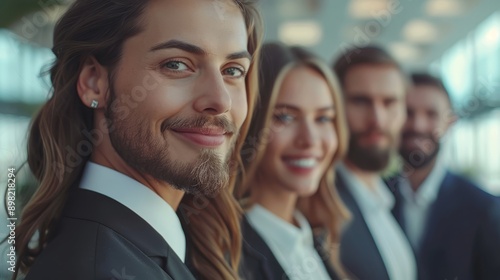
(98, 28)
(324, 209)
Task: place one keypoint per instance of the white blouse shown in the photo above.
(293, 247)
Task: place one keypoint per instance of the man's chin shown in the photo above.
(370, 160)
(417, 158)
(377, 147)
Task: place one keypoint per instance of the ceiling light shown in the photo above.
(364, 9)
(444, 7)
(420, 31)
(404, 51)
(492, 37)
(305, 33)
(298, 8)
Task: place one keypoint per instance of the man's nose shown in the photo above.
(214, 97)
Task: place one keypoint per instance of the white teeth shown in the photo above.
(305, 162)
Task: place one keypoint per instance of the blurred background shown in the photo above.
(458, 40)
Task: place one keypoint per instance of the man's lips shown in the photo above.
(202, 130)
(373, 137)
(203, 136)
(416, 137)
(418, 142)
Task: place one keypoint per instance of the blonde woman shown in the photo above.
(292, 213)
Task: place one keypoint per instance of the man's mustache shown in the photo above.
(370, 132)
(411, 134)
(200, 122)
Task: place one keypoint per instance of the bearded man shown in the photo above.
(136, 148)
(452, 224)
(373, 245)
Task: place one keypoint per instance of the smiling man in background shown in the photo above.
(452, 224)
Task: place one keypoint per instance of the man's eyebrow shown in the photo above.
(187, 47)
(359, 97)
(238, 55)
(176, 44)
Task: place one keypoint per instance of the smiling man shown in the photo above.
(149, 108)
(452, 224)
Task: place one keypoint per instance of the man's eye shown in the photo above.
(175, 65)
(325, 119)
(234, 72)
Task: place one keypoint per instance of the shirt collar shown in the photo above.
(379, 198)
(285, 236)
(428, 191)
(138, 198)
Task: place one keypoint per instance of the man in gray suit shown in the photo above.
(373, 246)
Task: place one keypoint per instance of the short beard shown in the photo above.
(417, 158)
(371, 158)
(207, 176)
(133, 141)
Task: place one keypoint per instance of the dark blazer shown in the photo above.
(99, 238)
(461, 239)
(358, 250)
(258, 261)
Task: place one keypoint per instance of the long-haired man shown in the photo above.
(135, 149)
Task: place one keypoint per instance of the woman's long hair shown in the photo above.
(98, 28)
(324, 209)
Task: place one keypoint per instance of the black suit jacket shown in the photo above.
(358, 250)
(461, 239)
(99, 238)
(258, 261)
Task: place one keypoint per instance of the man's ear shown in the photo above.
(451, 119)
(92, 85)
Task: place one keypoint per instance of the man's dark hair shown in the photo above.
(426, 79)
(373, 55)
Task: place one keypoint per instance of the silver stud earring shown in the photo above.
(94, 104)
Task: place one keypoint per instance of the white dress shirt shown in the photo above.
(416, 205)
(138, 198)
(293, 247)
(375, 206)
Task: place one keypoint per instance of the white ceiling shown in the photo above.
(339, 29)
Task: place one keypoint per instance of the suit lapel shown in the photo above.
(394, 185)
(84, 204)
(256, 248)
(319, 241)
(359, 252)
(437, 221)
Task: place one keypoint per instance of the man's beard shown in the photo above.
(370, 158)
(134, 142)
(417, 158)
